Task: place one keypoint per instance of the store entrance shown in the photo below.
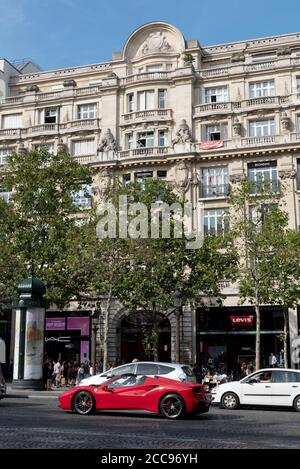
(138, 337)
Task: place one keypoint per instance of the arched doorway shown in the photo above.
(138, 337)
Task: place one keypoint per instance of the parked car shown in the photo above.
(269, 386)
(168, 370)
(2, 384)
(170, 398)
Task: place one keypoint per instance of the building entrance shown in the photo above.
(141, 333)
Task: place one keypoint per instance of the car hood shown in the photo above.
(223, 387)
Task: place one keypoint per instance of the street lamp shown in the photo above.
(95, 328)
(178, 311)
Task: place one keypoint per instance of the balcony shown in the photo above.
(265, 102)
(11, 134)
(214, 191)
(150, 76)
(266, 140)
(145, 152)
(44, 129)
(80, 125)
(163, 115)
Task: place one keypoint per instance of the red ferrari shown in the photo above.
(170, 398)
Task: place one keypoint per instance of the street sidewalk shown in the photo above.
(29, 393)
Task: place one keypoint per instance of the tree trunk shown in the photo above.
(286, 336)
(155, 345)
(106, 331)
(257, 338)
(177, 349)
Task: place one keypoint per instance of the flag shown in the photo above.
(211, 144)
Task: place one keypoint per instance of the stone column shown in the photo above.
(293, 335)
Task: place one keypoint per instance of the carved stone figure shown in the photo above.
(181, 176)
(155, 42)
(183, 134)
(108, 142)
(285, 121)
(237, 127)
(287, 173)
(102, 183)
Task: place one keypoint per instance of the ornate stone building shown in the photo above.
(165, 107)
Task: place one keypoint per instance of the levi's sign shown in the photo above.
(242, 320)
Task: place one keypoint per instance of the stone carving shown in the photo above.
(21, 150)
(288, 173)
(285, 121)
(181, 176)
(61, 146)
(155, 42)
(108, 142)
(102, 184)
(236, 178)
(183, 134)
(284, 51)
(237, 127)
(238, 57)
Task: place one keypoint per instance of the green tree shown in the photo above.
(48, 239)
(268, 252)
(145, 273)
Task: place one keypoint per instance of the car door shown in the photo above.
(285, 386)
(256, 390)
(124, 392)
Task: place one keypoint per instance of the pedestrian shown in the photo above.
(80, 373)
(57, 374)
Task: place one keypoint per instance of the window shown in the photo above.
(146, 100)
(127, 380)
(263, 57)
(261, 88)
(126, 179)
(4, 153)
(298, 124)
(83, 147)
(83, 198)
(213, 132)
(45, 146)
(12, 121)
(263, 176)
(164, 369)
(143, 175)
(297, 84)
(162, 174)
(147, 369)
(128, 141)
(162, 141)
(145, 139)
(130, 102)
(154, 68)
(214, 182)
(215, 221)
(285, 377)
(5, 196)
(216, 95)
(51, 115)
(298, 174)
(122, 370)
(262, 128)
(87, 111)
(162, 99)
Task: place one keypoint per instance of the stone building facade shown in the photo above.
(166, 107)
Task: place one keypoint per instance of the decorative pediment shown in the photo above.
(154, 38)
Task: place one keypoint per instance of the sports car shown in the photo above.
(169, 398)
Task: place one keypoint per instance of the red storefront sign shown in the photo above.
(210, 145)
(242, 320)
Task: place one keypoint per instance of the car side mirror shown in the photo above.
(106, 388)
(109, 375)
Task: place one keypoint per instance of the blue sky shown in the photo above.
(62, 33)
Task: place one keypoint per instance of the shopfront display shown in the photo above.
(226, 336)
(68, 337)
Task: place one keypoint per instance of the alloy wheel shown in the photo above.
(172, 406)
(230, 401)
(83, 403)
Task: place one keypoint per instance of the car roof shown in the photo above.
(276, 369)
(151, 363)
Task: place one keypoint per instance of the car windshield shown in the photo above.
(127, 380)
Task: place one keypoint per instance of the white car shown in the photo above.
(269, 386)
(168, 370)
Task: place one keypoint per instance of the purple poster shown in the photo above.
(55, 324)
(84, 351)
(83, 324)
